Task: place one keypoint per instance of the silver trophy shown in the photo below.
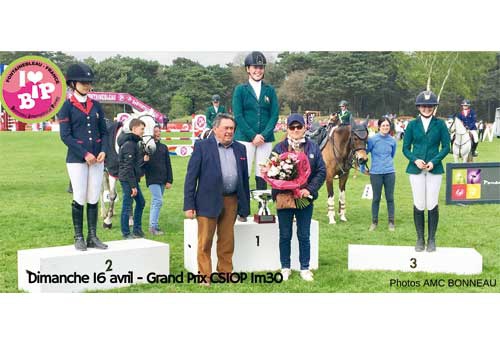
(263, 215)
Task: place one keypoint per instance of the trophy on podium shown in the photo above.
(263, 215)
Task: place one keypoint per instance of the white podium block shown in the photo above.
(406, 259)
(64, 269)
(256, 247)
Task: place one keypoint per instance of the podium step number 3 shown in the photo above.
(406, 259)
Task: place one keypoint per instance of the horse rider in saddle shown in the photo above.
(321, 134)
(468, 117)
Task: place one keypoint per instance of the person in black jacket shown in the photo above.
(158, 177)
(83, 130)
(131, 160)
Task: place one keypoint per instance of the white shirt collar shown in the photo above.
(426, 122)
(256, 85)
(80, 98)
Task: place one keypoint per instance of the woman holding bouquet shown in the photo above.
(301, 207)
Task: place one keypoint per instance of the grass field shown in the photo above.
(35, 212)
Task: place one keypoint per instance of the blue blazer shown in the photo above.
(203, 182)
(83, 132)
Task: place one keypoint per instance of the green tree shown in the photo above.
(180, 105)
(292, 91)
(452, 75)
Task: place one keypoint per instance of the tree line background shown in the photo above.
(374, 83)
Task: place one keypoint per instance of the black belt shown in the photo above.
(230, 194)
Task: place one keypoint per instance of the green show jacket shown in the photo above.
(211, 114)
(254, 116)
(346, 117)
(431, 146)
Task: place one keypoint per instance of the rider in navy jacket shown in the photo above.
(203, 189)
(83, 130)
(469, 120)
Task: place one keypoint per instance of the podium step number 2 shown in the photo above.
(64, 269)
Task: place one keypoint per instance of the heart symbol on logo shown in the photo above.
(35, 77)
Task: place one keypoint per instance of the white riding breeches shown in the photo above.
(425, 189)
(475, 135)
(86, 181)
(259, 153)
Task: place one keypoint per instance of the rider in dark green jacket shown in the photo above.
(256, 111)
(214, 110)
(344, 115)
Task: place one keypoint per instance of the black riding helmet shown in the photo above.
(215, 98)
(79, 72)
(255, 59)
(426, 98)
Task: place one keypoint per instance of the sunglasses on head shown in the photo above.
(295, 127)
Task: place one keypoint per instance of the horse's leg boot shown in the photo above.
(92, 240)
(418, 219)
(77, 215)
(260, 184)
(432, 223)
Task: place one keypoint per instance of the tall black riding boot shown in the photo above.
(92, 240)
(474, 147)
(432, 223)
(418, 219)
(77, 215)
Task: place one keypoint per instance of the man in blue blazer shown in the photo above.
(216, 190)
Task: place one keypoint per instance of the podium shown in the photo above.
(406, 259)
(64, 269)
(256, 247)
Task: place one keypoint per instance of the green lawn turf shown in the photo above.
(35, 212)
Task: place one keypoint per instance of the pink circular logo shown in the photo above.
(33, 89)
(200, 122)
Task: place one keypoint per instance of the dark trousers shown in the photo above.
(387, 181)
(303, 217)
(127, 208)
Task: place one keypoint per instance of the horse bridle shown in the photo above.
(148, 136)
(352, 153)
(455, 142)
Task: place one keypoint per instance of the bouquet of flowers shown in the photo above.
(288, 171)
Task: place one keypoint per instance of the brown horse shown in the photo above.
(346, 146)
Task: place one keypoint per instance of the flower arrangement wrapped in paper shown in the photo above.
(288, 171)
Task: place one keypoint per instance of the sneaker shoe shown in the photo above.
(307, 275)
(286, 272)
(128, 237)
(138, 234)
(392, 227)
(242, 219)
(373, 227)
(155, 231)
